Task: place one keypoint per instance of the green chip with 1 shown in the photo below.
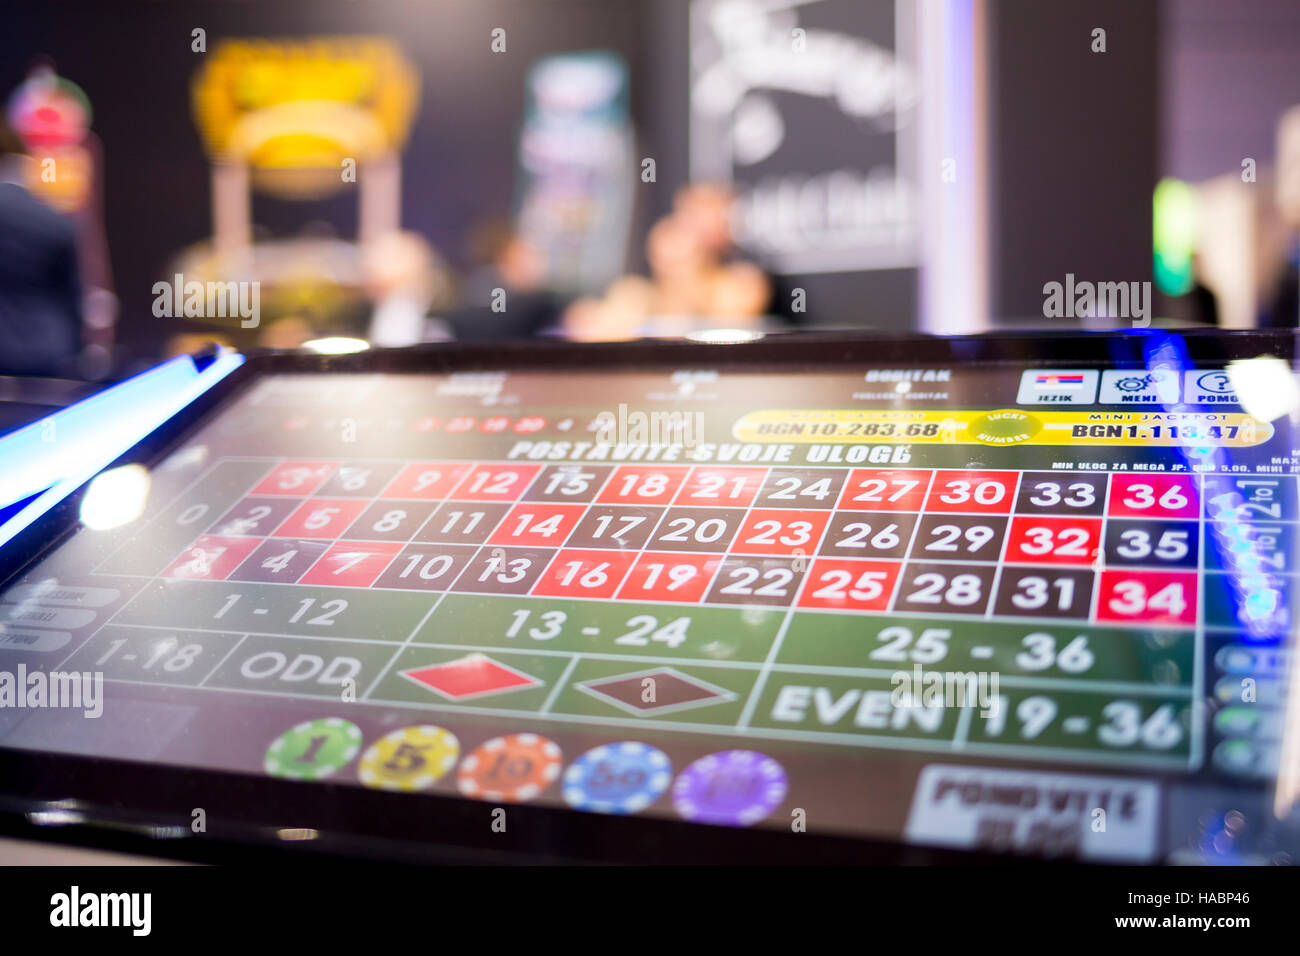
(313, 749)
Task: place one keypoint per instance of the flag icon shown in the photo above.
(1059, 380)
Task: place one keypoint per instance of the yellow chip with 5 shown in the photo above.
(412, 758)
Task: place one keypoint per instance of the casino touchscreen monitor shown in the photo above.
(808, 599)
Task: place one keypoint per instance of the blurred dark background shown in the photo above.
(1073, 143)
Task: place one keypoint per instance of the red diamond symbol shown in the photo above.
(474, 675)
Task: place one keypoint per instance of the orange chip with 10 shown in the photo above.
(510, 769)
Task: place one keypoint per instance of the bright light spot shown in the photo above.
(724, 336)
(1266, 387)
(297, 833)
(115, 497)
(167, 833)
(336, 345)
(56, 818)
(1261, 604)
(903, 387)
(187, 458)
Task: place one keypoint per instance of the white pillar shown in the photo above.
(232, 215)
(952, 45)
(380, 212)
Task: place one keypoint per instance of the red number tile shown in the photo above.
(350, 564)
(321, 518)
(212, 558)
(580, 573)
(1153, 496)
(848, 585)
(1149, 597)
(773, 531)
(295, 478)
(539, 524)
(975, 492)
(643, 485)
(496, 482)
(1044, 539)
(426, 479)
(670, 576)
(731, 487)
(873, 489)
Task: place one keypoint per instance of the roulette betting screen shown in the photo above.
(984, 595)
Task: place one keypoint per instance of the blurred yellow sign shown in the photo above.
(304, 106)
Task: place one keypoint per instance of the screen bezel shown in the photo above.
(132, 805)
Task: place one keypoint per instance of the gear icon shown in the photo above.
(1136, 383)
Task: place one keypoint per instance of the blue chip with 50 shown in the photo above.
(617, 778)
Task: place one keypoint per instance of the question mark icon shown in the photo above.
(1215, 382)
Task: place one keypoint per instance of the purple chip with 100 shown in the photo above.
(730, 788)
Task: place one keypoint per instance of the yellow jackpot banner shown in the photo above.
(1002, 427)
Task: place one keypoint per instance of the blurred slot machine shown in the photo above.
(299, 120)
(52, 117)
(575, 148)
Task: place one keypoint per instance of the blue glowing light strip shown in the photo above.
(1258, 596)
(55, 455)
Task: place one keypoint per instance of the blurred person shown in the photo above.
(695, 278)
(741, 290)
(505, 295)
(503, 259)
(708, 209)
(40, 290)
(680, 267)
(691, 279)
(622, 313)
(705, 210)
(405, 278)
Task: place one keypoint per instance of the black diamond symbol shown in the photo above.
(671, 690)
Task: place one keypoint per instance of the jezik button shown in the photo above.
(1156, 386)
(1047, 386)
(1209, 387)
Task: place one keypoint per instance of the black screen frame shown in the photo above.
(131, 806)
